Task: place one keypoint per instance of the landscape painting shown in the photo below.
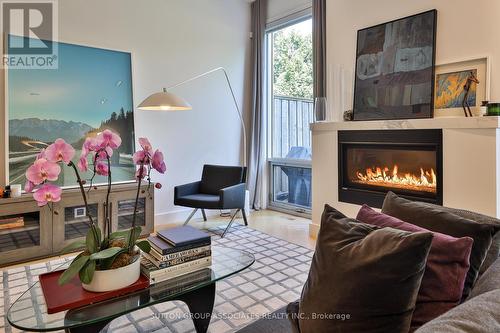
(394, 76)
(90, 91)
(450, 89)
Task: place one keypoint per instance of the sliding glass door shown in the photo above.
(290, 111)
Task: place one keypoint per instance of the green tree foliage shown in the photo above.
(121, 123)
(293, 64)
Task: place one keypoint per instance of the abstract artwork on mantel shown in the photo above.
(450, 80)
(91, 90)
(395, 61)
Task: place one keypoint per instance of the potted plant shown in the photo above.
(111, 260)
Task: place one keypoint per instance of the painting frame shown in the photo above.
(431, 81)
(481, 64)
(7, 113)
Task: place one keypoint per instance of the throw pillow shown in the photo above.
(445, 271)
(362, 278)
(494, 251)
(436, 219)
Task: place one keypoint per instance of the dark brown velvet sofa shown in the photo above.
(480, 313)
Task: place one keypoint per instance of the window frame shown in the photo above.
(272, 161)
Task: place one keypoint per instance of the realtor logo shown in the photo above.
(30, 29)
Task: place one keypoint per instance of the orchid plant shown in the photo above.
(106, 249)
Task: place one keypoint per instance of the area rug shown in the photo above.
(275, 279)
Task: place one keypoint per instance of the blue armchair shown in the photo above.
(220, 187)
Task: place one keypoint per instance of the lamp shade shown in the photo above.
(164, 101)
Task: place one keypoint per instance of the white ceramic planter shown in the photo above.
(114, 279)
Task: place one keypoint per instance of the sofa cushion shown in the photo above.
(489, 281)
(494, 250)
(478, 315)
(436, 219)
(445, 271)
(362, 278)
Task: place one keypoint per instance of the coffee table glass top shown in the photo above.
(29, 312)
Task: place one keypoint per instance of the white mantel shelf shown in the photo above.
(430, 123)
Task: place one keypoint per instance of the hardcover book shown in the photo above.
(161, 246)
(177, 261)
(158, 256)
(171, 286)
(183, 236)
(156, 274)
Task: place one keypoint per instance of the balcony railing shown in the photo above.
(290, 167)
(290, 123)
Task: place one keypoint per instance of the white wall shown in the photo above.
(466, 29)
(172, 40)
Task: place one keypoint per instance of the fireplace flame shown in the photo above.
(378, 176)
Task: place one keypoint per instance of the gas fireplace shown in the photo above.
(407, 162)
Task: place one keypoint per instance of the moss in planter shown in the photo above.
(122, 260)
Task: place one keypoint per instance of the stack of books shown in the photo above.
(175, 252)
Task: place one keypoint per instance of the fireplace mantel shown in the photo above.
(471, 162)
(431, 123)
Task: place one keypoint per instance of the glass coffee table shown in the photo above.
(196, 289)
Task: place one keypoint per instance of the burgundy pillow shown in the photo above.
(445, 271)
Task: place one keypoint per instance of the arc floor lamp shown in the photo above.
(166, 101)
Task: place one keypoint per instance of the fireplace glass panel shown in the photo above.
(400, 169)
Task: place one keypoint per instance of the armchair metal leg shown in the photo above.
(191, 216)
(244, 216)
(204, 215)
(230, 223)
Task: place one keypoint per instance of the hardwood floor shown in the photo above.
(288, 227)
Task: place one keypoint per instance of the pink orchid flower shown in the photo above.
(47, 193)
(60, 151)
(43, 170)
(29, 186)
(88, 145)
(108, 138)
(101, 168)
(141, 157)
(144, 172)
(83, 164)
(101, 155)
(158, 163)
(146, 145)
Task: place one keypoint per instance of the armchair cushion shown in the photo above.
(200, 200)
(217, 177)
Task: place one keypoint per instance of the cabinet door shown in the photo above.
(25, 232)
(70, 218)
(123, 210)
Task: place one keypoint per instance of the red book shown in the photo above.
(72, 295)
